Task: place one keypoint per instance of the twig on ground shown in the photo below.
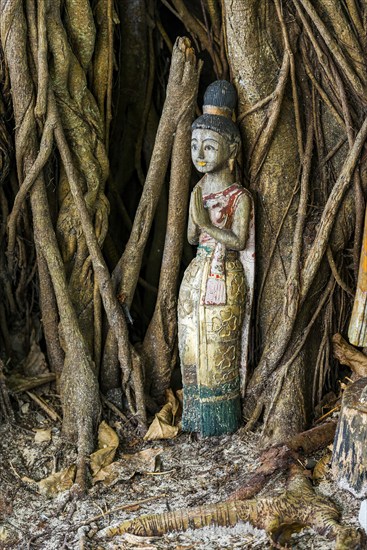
(44, 406)
(19, 385)
(115, 409)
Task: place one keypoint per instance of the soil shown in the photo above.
(182, 472)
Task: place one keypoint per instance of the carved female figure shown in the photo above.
(212, 294)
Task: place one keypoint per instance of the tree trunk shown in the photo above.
(349, 464)
(269, 68)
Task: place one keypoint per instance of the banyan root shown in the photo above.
(6, 411)
(298, 507)
(350, 356)
(282, 457)
(313, 439)
(279, 457)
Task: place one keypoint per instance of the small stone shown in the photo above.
(24, 408)
(310, 463)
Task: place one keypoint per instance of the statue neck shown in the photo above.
(214, 182)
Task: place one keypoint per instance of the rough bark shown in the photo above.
(83, 125)
(281, 457)
(349, 463)
(82, 399)
(350, 356)
(181, 92)
(160, 338)
(257, 62)
(265, 59)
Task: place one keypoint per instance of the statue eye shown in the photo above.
(193, 147)
(209, 148)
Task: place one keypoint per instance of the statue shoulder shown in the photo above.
(246, 197)
(244, 191)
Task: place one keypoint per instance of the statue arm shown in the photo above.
(234, 238)
(241, 221)
(192, 228)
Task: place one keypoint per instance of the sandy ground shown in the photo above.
(183, 472)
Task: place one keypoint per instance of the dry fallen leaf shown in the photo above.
(108, 442)
(111, 473)
(171, 398)
(101, 459)
(107, 437)
(4, 534)
(42, 435)
(161, 427)
(128, 466)
(35, 362)
(56, 483)
(322, 467)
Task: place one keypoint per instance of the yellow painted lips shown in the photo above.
(202, 163)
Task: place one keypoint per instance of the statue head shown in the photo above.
(215, 138)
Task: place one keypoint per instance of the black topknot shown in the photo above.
(221, 93)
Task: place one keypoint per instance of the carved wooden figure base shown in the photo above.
(349, 462)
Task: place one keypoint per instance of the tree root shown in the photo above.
(79, 385)
(272, 460)
(334, 48)
(257, 386)
(273, 353)
(6, 411)
(281, 515)
(281, 457)
(350, 356)
(181, 93)
(159, 341)
(298, 507)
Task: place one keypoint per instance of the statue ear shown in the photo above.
(234, 150)
(233, 154)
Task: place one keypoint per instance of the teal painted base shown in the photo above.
(210, 416)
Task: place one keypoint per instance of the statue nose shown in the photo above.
(201, 152)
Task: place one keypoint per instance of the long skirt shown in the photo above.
(209, 346)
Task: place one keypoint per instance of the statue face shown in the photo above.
(210, 151)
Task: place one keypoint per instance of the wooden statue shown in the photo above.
(212, 296)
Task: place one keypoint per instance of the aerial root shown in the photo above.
(281, 516)
(6, 410)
